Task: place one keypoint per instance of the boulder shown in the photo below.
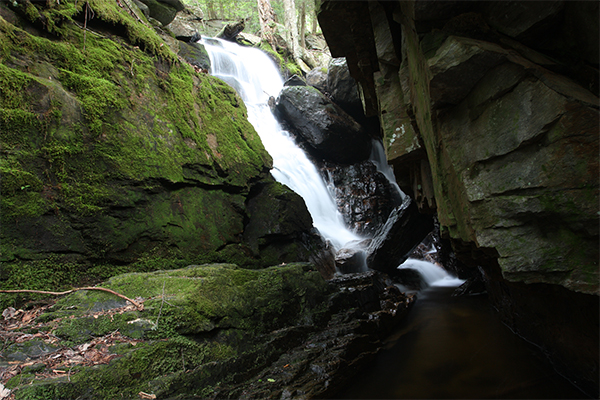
(394, 241)
(364, 196)
(280, 227)
(195, 54)
(352, 258)
(163, 11)
(342, 87)
(329, 132)
(317, 78)
(231, 30)
(294, 80)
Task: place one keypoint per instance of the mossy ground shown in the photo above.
(192, 318)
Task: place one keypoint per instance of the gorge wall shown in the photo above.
(489, 114)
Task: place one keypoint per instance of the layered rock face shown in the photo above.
(489, 113)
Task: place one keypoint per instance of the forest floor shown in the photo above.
(29, 346)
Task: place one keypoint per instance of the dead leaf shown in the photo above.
(4, 392)
(9, 313)
(146, 395)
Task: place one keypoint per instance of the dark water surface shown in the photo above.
(457, 348)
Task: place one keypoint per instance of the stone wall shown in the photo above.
(489, 112)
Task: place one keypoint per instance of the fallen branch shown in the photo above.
(139, 306)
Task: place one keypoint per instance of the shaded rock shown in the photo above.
(501, 182)
(294, 80)
(280, 227)
(342, 87)
(410, 278)
(329, 132)
(195, 54)
(369, 306)
(163, 11)
(393, 242)
(364, 196)
(526, 21)
(317, 78)
(458, 65)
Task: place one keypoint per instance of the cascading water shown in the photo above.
(380, 160)
(256, 78)
(432, 275)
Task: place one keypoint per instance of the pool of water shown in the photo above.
(457, 348)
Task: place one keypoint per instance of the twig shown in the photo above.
(139, 306)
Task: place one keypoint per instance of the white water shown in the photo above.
(380, 160)
(432, 274)
(256, 78)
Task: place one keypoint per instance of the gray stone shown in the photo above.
(317, 78)
(393, 242)
(330, 133)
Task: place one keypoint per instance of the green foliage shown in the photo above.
(242, 9)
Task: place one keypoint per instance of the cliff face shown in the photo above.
(489, 113)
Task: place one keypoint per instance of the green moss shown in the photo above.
(194, 317)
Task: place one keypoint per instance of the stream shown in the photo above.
(457, 348)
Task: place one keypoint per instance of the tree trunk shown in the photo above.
(267, 23)
(299, 53)
(302, 24)
(211, 9)
(289, 14)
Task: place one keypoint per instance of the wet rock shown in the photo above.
(329, 132)
(271, 333)
(195, 54)
(352, 258)
(280, 227)
(364, 196)
(369, 306)
(393, 242)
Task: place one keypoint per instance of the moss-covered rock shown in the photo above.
(114, 151)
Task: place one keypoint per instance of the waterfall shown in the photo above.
(256, 78)
(380, 160)
(432, 275)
